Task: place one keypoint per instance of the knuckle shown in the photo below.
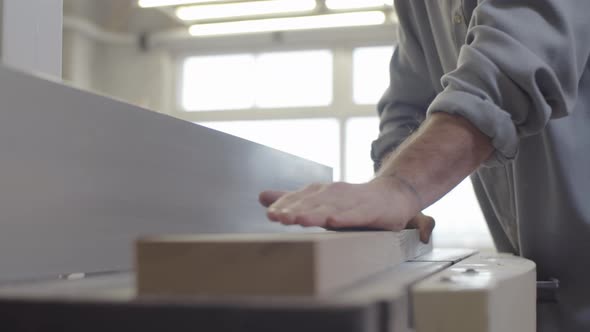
(305, 221)
(313, 187)
(306, 202)
(281, 201)
(338, 186)
(432, 223)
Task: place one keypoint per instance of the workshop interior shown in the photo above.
(137, 135)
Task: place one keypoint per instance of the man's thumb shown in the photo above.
(424, 224)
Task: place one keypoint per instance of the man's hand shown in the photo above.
(384, 203)
(445, 150)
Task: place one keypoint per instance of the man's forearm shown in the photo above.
(444, 151)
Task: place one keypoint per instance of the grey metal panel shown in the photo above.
(47, 315)
(81, 176)
(31, 35)
(112, 287)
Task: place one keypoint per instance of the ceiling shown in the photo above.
(122, 16)
(125, 16)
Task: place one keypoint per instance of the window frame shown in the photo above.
(342, 107)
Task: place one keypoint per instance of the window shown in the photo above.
(294, 79)
(370, 73)
(313, 139)
(267, 80)
(218, 82)
(459, 221)
(360, 132)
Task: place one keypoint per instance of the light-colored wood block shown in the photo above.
(268, 264)
(483, 293)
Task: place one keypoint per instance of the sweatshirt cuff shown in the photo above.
(486, 116)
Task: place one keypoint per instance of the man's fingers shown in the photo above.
(267, 198)
(314, 216)
(354, 217)
(341, 206)
(287, 199)
(424, 224)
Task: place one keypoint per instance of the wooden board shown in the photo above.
(271, 264)
(483, 293)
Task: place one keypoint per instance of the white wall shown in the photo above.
(142, 78)
(118, 69)
(78, 59)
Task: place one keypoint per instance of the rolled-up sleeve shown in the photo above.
(519, 68)
(403, 105)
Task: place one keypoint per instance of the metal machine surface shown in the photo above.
(387, 301)
(83, 176)
(108, 302)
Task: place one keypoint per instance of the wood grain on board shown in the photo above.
(268, 264)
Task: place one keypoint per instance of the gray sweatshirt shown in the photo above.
(518, 70)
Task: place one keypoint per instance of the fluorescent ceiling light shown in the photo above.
(165, 3)
(289, 23)
(251, 8)
(357, 4)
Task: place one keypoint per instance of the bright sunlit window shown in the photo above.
(267, 80)
(313, 139)
(360, 132)
(218, 82)
(459, 221)
(370, 73)
(294, 79)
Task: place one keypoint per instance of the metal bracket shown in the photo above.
(547, 291)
